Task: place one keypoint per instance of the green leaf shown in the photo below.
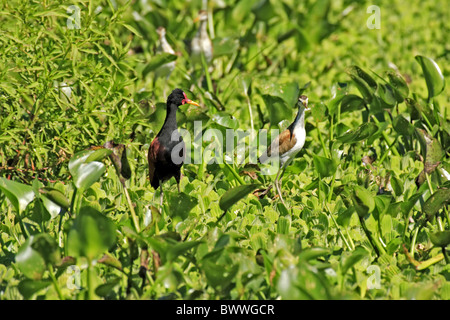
(278, 111)
(105, 289)
(28, 287)
(363, 81)
(56, 197)
(91, 234)
(402, 126)
(351, 102)
(19, 194)
(441, 238)
(88, 174)
(283, 225)
(436, 202)
(387, 94)
(319, 112)
(85, 168)
(180, 249)
(357, 255)
(47, 247)
(235, 194)
(433, 76)
(401, 90)
(313, 253)
(363, 201)
(98, 154)
(132, 29)
(364, 131)
(29, 261)
(325, 167)
(225, 120)
(180, 204)
(157, 61)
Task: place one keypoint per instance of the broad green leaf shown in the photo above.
(434, 203)
(28, 287)
(283, 225)
(325, 167)
(56, 196)
(351, 102)
(91, 234)
(349, 261)
(180, 249)
(441, 238)
(363, 201)
(387, 94)
(319, 112)
(358, 72)
(105, 289)
(344, 217)
(180, 204)
(401, 90)
(363, 81)
(157, 61)
(98, 154)
(402, 126)
(225, 120)
(19, 194)
(433, 75)
(218, 275)
(235, 194)
(47, 247)
(364, 131)
(278, 111)
(313, 253)
(88, 173)
(29, 261)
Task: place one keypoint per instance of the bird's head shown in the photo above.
(202, 16)
(161, 31)
(303, 102)
(178, 98)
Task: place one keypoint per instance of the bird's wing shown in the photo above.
(152, 158)
(280, 145)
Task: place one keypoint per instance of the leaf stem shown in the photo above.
(130, 205)
(54, 281)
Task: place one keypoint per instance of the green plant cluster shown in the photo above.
(366, 213)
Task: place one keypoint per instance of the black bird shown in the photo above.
(166, 152)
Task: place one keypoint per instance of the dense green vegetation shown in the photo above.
(366, 212)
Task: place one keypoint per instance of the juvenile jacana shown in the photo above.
(201, 43)
(166, 152)
(288, 143)
(166, 69)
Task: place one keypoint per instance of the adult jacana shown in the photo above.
(166, 152)
(288, 143)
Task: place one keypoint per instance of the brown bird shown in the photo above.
(288, 143)
(166, 152)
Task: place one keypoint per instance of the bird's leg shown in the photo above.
(277, 184)
(161, 195)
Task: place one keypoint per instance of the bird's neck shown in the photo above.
(165, 45)
(299, 121)
(202, 31)
(170, 124)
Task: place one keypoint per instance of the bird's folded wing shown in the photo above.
(280, 145)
